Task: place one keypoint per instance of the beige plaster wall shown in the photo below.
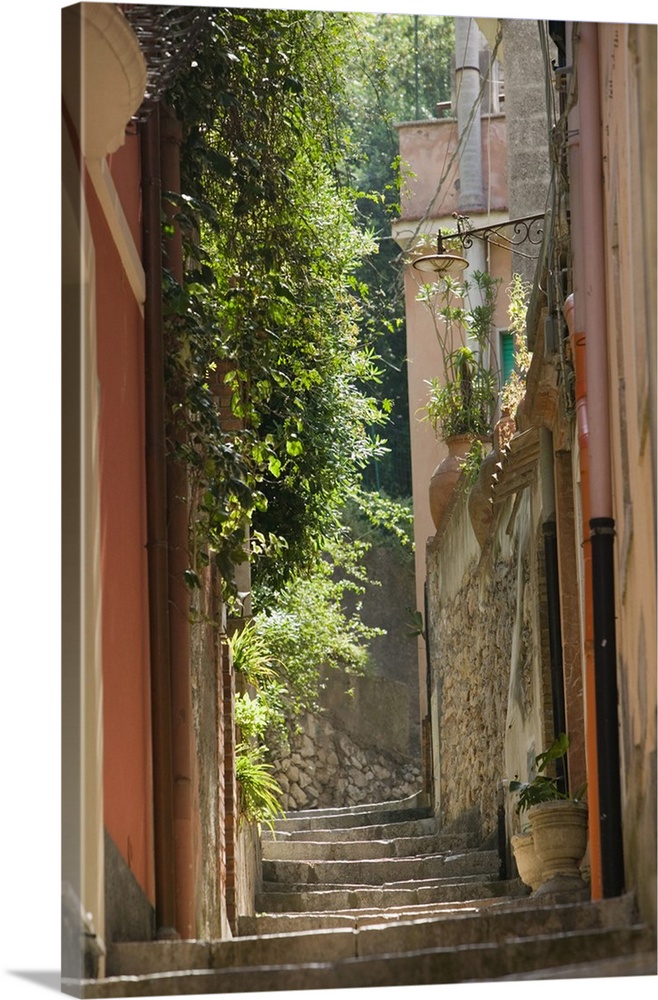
(628, 95)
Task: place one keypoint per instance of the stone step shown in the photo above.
(377, 831)
(462, 964)
(284, 923)
(643, 963)
(359, 897)
(356, 850)
(315, 820)
(276, 888)
(380, 871)
(287, 922)
(356, 939)
(418, 799)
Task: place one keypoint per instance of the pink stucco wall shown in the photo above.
(429, 165)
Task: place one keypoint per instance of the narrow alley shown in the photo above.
(358, 501)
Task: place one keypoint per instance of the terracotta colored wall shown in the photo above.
(125, 169)
(126, 695)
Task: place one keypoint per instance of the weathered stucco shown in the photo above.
(628, 106)
(427, 149)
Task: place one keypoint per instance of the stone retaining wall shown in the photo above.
(358, 750)
(485, 640)
(364, 746)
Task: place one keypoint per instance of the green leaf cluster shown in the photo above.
(544, 787)
(271, 235)
(259, 793)
(463, 399)
(305, 626)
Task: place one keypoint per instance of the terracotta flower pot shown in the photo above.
(559, 831)
(445, 476)
(525, 856)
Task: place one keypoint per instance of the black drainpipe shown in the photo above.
(552, 578)
(607, 723)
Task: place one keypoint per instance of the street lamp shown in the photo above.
(441, 262)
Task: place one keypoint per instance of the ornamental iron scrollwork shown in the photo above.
(527, 231)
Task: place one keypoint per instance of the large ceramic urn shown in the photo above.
(445, 476)
(528, 866)
(559, 832)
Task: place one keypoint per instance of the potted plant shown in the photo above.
(558, 826)
(462, 401)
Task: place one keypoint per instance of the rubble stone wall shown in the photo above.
(364, 745)
(485, 650)
(357, 750)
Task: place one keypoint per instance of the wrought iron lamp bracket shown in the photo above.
(510, 235)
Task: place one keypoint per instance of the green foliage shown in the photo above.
(514, 389)
(272, 289)
(463, 399)
(399, 68)
(415, 624)
(543, 788)
(259, 793)
(251, 656)
(305, 626)
(299, 629)
(465, 402)
(471, 463)
(379, 520)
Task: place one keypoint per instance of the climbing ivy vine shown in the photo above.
(276, 314)
(273, 247)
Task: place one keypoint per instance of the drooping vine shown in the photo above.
(273, 247)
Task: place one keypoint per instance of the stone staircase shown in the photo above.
(375, 896)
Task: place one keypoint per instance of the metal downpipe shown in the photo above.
(467, 74)
(552, 577)
(601, 520)
(156, 545)
(578, 351)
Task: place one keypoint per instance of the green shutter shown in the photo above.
(506, 355)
